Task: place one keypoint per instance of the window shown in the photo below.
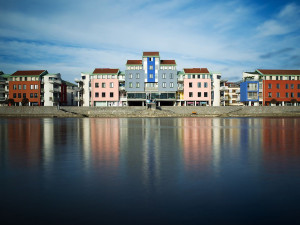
(163, 76)
(292, 95)
(36, 86)
(32, 87)
(205, 84)
(278, 95)
(31, 95)
(277, 78)
(24, 95)
(96, 85)
(199, 94)
(24, 86)
(164, 84)
(35, 95)
(203, 76)
(83, 77)
(96, 94)
(281, 77)
(189, 76)
(15, 87)
(150, 59)
(298, 86)
(199, 84)
(130, 76)
(151, 75)
(269, 94)
(20, 86)
(287, 86)
(130, 84)
(286, 94)
(205, 94)
(171, 76)
(111, 94)
(190, 84)
(292, 86)
(298, 94)
(190, 94)
(137, 76)
(150, 67)
(19, 95)
(171, 84)
(21, 78)
(269, 86)
(14, 95)
(137, 84)
(103, 94)
(111, 85)
(103, 85)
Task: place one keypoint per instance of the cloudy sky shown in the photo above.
(73, 36)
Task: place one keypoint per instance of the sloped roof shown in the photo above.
(105, 70)
(279, 72)
(134, 62)
(150, 53)
(167, 62)
(196, 70)
(29, 72)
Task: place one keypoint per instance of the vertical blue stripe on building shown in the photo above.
(151, 71)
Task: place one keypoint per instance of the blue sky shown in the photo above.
(71, 36)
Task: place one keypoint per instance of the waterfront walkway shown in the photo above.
(139, 111)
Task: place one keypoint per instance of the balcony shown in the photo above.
(77, 99)
(55, 81)
(123, 99)
(2, 90)
(121, 78)
(180, 79)
(151, 88)
(180, 88)
(224, 88)
(121, 88)
(53, 99)
(55, 90)
(2, 99)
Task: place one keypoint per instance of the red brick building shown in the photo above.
(26, 84)
(280, 87)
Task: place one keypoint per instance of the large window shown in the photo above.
(31, 86)
(20, 86)
(252, 95)
(36, 86)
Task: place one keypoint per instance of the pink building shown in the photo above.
(197, 87)
(105, 87)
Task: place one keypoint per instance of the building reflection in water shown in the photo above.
(281, 141)
(24, 142)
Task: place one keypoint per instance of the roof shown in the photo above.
(134, 62)
(105, 70)
(69, 83)
(150, 54)
(29, 72)
(5, 75)
(196, 70)
(278, 72)
(167, 62)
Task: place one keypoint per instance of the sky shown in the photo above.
(74, 36)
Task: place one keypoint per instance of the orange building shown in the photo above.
(281, 87)
(26, 84)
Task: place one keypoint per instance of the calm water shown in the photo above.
(150, 171)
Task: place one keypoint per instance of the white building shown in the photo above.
(51, 89)
(216, 98)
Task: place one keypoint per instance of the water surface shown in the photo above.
(150, 170)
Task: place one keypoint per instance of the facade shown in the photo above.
(70, 98)
(280, 87)
(230, 93)
(251, 89)
(26, 85)
(197, 85)
(105, 87)
(51, 90)
(3, 88)
(151, 78)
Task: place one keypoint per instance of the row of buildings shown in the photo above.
(152, 79)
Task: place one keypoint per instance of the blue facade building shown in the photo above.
(249, 92)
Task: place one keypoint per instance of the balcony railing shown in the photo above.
(224, 88)
(121, 88)
(54, 90)
(55, 81)
(123, 99)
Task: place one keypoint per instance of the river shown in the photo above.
(150, 170)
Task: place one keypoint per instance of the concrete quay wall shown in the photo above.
(139, 111)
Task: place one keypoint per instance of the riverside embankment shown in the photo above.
(167, 111)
